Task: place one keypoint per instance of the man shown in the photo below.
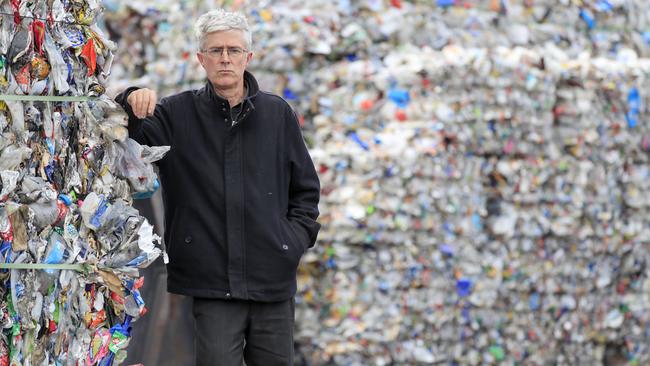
(241, 199)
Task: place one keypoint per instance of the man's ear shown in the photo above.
(201, 57)
(249, 57)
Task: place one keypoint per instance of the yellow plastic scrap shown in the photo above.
(266, 15)
(83, 16)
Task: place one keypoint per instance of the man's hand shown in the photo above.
(142, 102)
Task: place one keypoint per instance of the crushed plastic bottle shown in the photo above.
(72, 244)
(483, 168)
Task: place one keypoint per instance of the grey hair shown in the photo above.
(219, 20)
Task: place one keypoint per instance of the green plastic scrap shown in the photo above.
(79, 267)
(45, 98)
(498, 353)
(119, 341)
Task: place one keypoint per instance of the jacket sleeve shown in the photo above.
(304, 186)
(156, 130)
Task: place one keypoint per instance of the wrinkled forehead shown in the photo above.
(228, 38)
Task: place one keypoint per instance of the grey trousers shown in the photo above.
(227, 332)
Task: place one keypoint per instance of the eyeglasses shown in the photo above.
(234, 53)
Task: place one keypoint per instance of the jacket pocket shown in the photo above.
(291, 243)
(176, 232)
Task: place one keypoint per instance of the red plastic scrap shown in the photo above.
(89, 56)
(38, 28)
(52, 327)
(138, 283)
(15, 5)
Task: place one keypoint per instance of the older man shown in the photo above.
(241, 199)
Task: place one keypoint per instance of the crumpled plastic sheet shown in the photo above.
(53, 46)
(68, 177)
(483, 168)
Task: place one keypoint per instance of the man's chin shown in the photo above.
(224, 83)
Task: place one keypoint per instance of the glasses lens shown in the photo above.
(233, 52)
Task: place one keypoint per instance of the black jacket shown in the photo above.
(241, 201)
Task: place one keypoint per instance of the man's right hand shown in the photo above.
(142, 102)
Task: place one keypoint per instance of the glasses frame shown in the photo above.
(214, 52)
